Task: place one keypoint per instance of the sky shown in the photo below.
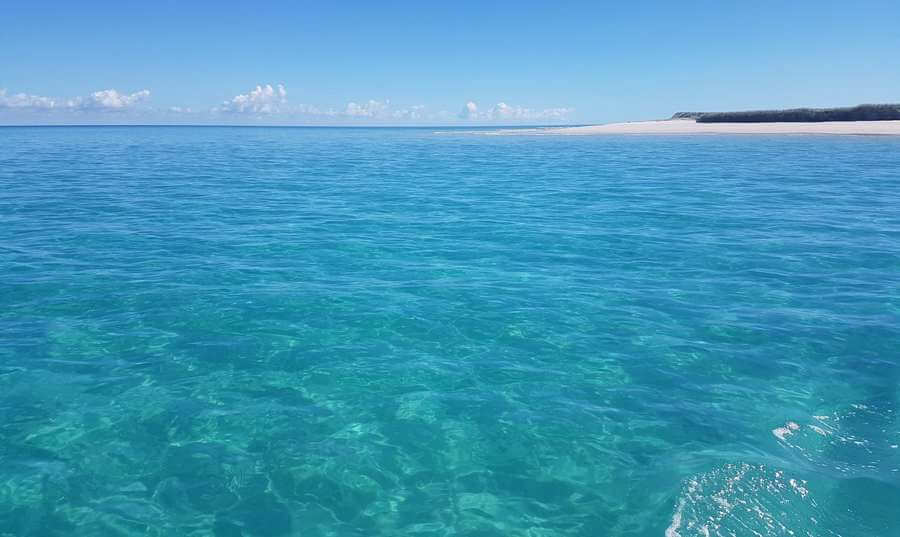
(437, 63)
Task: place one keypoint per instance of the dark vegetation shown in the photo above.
(863, 112)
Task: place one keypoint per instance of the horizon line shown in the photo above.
(453, 126)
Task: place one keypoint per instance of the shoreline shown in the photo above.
(691, 127)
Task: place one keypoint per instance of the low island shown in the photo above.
(863, 112)
(866, 119)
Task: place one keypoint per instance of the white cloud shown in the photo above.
(269, 100)
(469, 111)
(260, 100)
(412, 113)
(272, 100)
(23, 100)
(108, 100)
(308, 109)
(372, 108)
(504, 112)
(557, 113)
(99, 100)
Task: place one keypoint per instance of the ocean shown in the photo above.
(268, 332)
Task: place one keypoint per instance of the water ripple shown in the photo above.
(263, 332)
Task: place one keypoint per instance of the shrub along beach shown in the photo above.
(863, 112)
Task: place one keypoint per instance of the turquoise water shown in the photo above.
(346, 332)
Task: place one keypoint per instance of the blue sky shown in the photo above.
(430, 63)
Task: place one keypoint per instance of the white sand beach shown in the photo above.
(689, 126)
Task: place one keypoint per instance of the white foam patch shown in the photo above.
(857, 442)
(783, 432)
(672, 530)
(743, 499)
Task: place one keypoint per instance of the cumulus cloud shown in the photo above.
(412, 113)
(310, 110)
(372, 108)
(108, 100)
(23, 100)
(469, 111)
(99, 100)
(557, 113)
(272, 100)
(504, 112)
(259, 100)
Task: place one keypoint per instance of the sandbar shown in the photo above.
(689, 126)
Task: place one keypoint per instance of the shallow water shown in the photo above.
(266, 332)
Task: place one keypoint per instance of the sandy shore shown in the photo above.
(689, 126)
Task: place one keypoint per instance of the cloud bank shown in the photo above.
(272, 102)
(103, 100)
(372, 109)
(413, 113)
(23, 100)
(504, 112)
(269, 103)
